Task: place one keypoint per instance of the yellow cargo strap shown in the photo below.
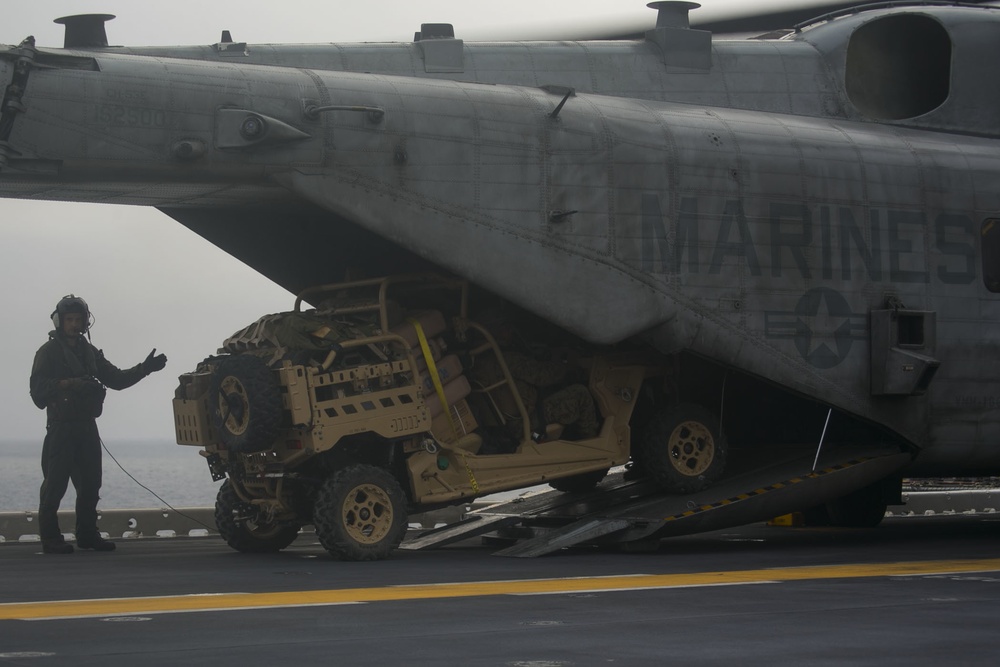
(472, 477)
(436, 379)
(432, 369)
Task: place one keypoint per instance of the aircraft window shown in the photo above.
(899, 67)
(991, 254)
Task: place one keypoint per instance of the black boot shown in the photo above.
(95, 542)
(57, 546)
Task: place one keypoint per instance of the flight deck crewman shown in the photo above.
(68, 380)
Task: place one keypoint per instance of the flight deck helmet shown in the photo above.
(71, 304)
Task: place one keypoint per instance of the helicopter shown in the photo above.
(805, 223)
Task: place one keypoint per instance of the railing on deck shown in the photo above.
(18, 527)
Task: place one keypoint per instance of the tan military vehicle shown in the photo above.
(387, 398)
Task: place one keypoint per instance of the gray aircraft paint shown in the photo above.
(745, 210)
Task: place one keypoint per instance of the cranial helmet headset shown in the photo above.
(72, 304)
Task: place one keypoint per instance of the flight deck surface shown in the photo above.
(916, 590)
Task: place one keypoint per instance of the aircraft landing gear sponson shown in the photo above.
(865, 508)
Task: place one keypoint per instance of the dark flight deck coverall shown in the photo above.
(72, 447)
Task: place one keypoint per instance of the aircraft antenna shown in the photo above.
(821, 437)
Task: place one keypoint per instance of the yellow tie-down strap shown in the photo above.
(432, 369)
(436, 379)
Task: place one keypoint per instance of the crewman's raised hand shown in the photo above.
(154, 362)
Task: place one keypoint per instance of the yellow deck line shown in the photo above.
(234, 601)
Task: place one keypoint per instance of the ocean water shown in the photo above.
(175, 473)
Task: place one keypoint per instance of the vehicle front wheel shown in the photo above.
(684, 449)
(360, 513)
(245, 529)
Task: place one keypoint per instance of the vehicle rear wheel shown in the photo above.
(579, 483)
(244, 527)
(684, 449)
(360, 513)
(245, 403)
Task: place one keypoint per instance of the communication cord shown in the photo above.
(153, 493)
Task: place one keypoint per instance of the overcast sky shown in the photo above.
(149, 281)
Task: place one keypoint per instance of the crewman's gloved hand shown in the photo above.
(154, 362)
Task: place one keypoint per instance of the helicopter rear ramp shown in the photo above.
(763, 484)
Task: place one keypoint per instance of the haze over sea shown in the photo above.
(176, 473)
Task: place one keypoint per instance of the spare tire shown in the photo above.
(245, 403)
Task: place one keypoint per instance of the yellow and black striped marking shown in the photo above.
(764, 489)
